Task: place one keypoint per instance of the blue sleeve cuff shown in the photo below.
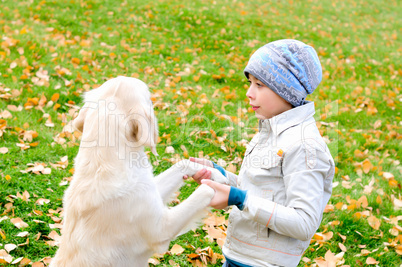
(219, 168)
(237, 197)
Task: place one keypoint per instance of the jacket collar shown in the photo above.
(288, 119)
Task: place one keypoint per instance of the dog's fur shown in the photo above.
(115, 211)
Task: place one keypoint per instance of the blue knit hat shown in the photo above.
(288, 67)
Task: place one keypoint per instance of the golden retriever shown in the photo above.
(115, 211)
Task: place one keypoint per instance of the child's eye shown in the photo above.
(249, 81)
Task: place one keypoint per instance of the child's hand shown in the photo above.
(202, 174)
(221, 197)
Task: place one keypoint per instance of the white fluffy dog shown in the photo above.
(115, 211)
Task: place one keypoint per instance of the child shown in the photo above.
(285, 180)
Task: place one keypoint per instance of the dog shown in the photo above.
(115, 210)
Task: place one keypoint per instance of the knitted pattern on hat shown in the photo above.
(288, 67)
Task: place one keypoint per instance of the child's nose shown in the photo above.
(250, 93)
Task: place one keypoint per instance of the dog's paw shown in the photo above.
(218, 177)
(206, 191)
(187, 167)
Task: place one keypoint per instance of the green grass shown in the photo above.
(83, 43)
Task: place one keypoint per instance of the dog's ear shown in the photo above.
(78, 122)
(144, 127)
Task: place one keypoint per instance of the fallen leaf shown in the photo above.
(388, 175)
(42, 201)
(153, 261)
(23, 234)
(17, 260)
(367, 166)
(10, 247)
(177, 249)
(398, 249)
(397, 203)
(5, 257)
(169, 150)
(374, 222)
(19, 223)
(371, 261)
(342, 247)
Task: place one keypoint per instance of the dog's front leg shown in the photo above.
(169, 182)
(186, 215)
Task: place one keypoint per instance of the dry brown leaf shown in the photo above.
(19, 223)
(374, 222)
(342, 247)
(23, 234)
(10, 247)
(14, 108)
(176, 249)
(6, 114)
(5, 257)
(397, 203)
(371, 261)
(153, 261)
(367, 166)
(388, 175)
(42, 201)
(25, 196)
(398, 250)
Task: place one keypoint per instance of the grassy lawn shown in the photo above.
(192, 55)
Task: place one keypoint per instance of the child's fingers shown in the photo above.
(202, 174)
(220, 200)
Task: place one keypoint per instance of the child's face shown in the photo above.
(265, 102)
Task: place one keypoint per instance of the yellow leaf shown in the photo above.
(367, 166)
(339, 205)
(2, 234)
(35, 144)
(374, 222)
(393, 183)
(363, 201)
(55, 97)
(75, 60)
(328, 208)
(398, 249)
